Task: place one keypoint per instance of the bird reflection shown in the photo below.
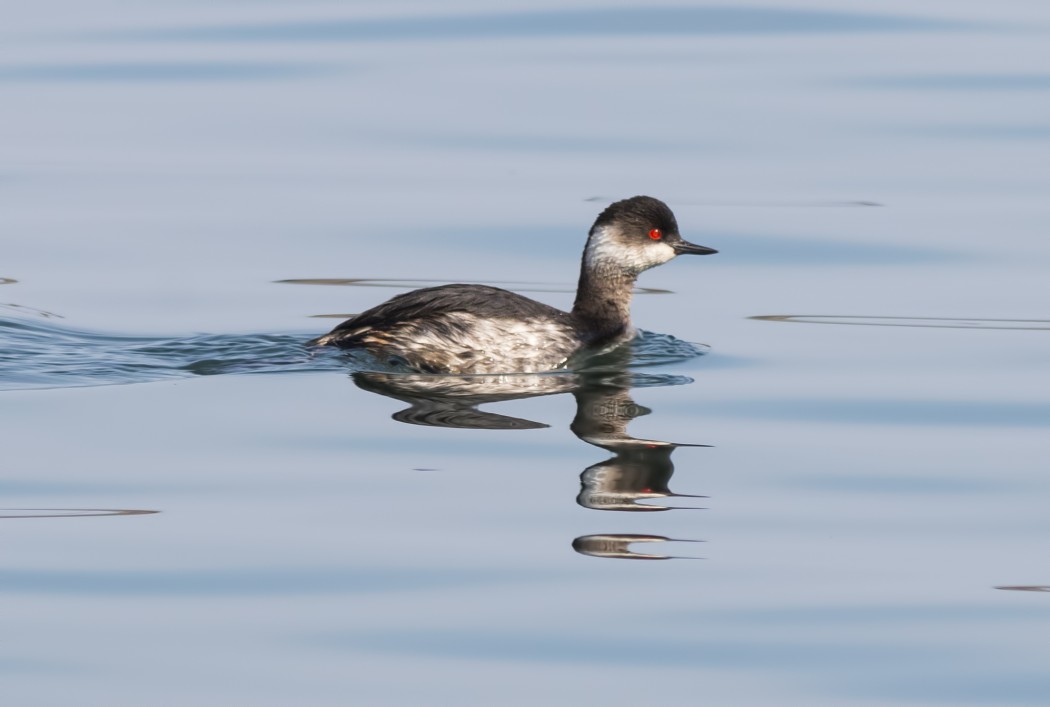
(618, 546)
(638, 473)
(639, 470)
(452, 401)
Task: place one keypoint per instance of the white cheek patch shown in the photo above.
(658, 254)
(606, 250)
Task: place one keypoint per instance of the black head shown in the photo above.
(638, 233)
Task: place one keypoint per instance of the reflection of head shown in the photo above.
(641, 468)
(617, 546)
(619, 483)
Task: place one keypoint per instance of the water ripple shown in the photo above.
(36, 354)
(44, 355)
(152, 72)
(597, 22)
(71, 512)
(922, 322)
(409, 283)
(958, 82)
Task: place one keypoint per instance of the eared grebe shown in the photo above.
(482, 329)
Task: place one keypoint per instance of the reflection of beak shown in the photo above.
(687, 248)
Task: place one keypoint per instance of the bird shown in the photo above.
(480, 329)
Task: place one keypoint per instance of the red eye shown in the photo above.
(655, 234)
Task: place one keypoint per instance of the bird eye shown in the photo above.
(655, 234)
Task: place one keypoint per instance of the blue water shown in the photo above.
(838, 497)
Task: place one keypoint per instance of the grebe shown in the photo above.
(462, 329)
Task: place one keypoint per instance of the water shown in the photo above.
(46, 355)
(843, 499)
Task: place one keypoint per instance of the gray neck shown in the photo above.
(602, 310)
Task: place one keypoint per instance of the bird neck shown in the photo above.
(603, 301)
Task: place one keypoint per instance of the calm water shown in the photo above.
(845, 478)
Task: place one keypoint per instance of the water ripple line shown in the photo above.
(11, 513)
(918, 322)
(43, 354)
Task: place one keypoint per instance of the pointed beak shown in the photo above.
(687, 248)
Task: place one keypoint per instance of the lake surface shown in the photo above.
(839, 498)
